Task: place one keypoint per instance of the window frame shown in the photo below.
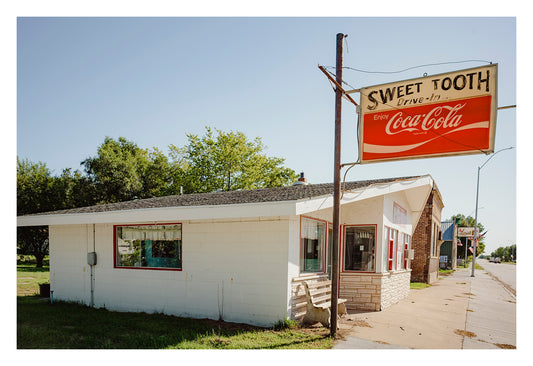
(147, 268)
(324, 250)
(344, 227)
(400, 251)
(391, 249)
(407, 248)
(329, 256)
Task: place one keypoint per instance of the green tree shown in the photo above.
(506, 254)
(80, 190)
(37, 191)
(123, 171)
(229, 161)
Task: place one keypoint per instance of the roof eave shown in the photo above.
(163, 214)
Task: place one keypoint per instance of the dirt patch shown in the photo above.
(465, 333)
(500, 345)
(468, 293)
(361, 323)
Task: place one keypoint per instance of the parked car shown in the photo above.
(497, 260)
(491, 260)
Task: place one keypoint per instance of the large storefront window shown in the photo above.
(359, 248)
(312, 245)
(148, 246)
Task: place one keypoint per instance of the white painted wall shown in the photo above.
(239, 270)
(388, 207)
(69, 273)
(232, 269)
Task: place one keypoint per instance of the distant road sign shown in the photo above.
(466, 232)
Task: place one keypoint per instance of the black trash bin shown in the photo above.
(44, 289)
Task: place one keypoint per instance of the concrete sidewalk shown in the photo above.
(456, 312)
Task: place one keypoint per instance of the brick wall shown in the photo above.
(421, 243)
(425, 265)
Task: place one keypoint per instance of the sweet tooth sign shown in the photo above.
(440, 115)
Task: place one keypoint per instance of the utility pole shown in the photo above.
(336, 190)
(476, 237)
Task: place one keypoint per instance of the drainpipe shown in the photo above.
(91, 263)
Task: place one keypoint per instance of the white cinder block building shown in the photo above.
(237, 256)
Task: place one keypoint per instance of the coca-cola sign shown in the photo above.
(447, 114)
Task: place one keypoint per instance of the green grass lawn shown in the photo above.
(63, 325)
(29, 277)
(418, 285)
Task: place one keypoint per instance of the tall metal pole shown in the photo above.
(466, 253)
(477, 196)
(475, 225)
(336, 192)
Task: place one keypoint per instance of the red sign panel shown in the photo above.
(452, 114)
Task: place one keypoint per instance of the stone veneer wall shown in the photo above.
(363, 291)
(396, 287)
(374, 291)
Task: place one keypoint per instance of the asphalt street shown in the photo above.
(504, 272)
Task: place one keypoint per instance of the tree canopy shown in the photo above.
(507, 254)
(37, 191)
(228, 161)
(122, 171)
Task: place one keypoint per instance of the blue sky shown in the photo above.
(154, 80)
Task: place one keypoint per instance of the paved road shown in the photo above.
(503, 272)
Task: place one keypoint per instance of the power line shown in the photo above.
(411, 68)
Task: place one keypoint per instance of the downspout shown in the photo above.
(92, 266)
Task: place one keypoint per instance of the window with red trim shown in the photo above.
(312, 245)
(359, 247)
(407, 247)
(400, 251)
(148, 246)
(392, 245)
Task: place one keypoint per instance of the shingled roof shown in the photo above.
(291, 193)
